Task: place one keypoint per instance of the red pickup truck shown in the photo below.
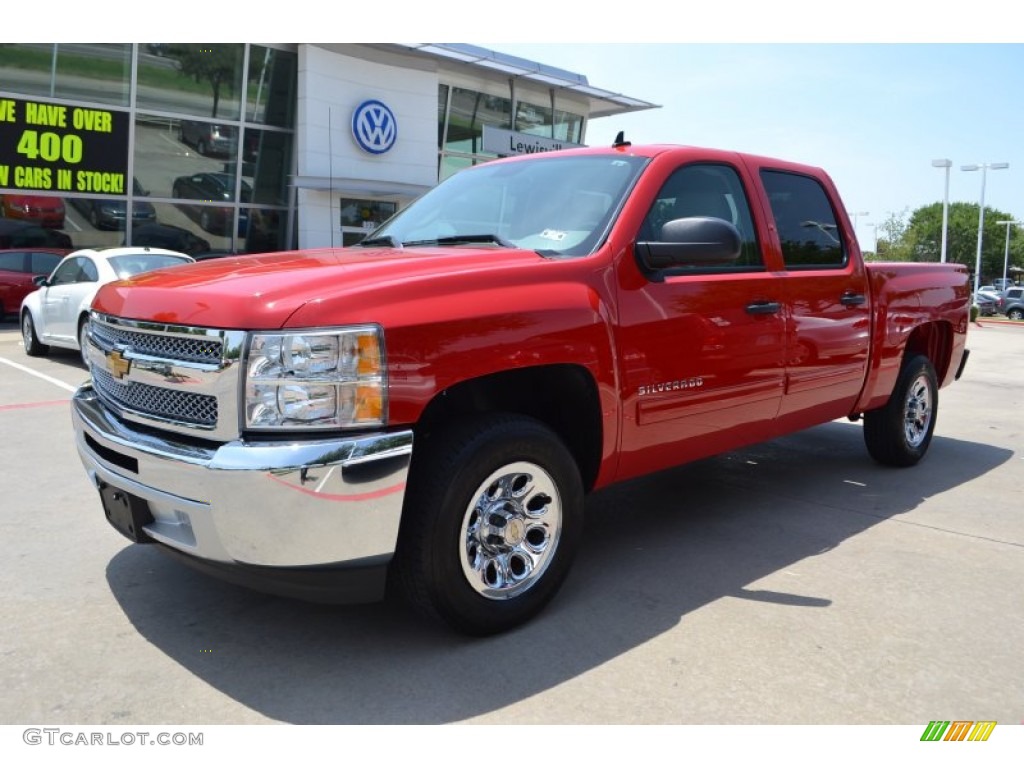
(426, 411)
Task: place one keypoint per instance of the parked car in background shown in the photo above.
(1002, 283)
(209, 138)
(57, 314)
(987, 304)
(212, 187)
(111, 213)
(38, 209)
(22, 234)
(18, 268)
(169, 236)
(1013, 303)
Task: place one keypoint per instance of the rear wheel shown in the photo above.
(492, 521)
(1016, 314)
(899, 433)
(33, 347)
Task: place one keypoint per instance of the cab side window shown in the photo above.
(805, 221)
(706, 190)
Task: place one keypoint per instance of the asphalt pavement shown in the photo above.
(794, 582)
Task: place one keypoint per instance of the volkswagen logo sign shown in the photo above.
(374, 127)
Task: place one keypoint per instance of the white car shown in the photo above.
(57, 313)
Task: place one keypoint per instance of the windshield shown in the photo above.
(557, 206)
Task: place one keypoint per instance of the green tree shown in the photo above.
(923, 237)
(213, 63)
(892, 238)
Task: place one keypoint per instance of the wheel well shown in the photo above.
(564, 397)
(934, 341)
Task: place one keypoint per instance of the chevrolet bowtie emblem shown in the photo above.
(118, 365)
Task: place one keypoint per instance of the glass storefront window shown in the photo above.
(266, 231)
(270, 94)
(191, 78)
(442, 110)
(452, 164)
(470, 111)
(173, 229)
(533, 119)
(568, 127)
(365, 213)
(265, 158)
(96, 73)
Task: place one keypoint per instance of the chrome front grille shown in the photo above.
(197, 350)
(183, 407)
(180, 378)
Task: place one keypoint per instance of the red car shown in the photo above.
(48, 211)
(18, 268)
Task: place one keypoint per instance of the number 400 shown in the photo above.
(51, 146)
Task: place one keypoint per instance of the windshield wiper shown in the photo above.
(464, 240)
(382, 240)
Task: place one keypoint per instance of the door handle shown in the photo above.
(763, 308)
(851, 299)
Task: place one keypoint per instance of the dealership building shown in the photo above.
(251, 148)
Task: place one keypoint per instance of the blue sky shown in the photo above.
(873, 115)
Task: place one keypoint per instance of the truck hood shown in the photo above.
(263, 291)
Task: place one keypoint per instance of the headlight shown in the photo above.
(317, 379)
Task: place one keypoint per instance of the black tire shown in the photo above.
(83, 341)
(33, 347)
(898, 434)
(1015, 314)
(484, 571)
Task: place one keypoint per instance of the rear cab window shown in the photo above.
(807, 225)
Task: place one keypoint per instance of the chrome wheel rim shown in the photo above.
(510, 531)
(26, 330)
(917, 413)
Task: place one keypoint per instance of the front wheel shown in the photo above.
(492, 522)
(83, 341)
(33, 347)
(1016, 314)
(899, 433)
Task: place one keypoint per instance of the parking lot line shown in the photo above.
(38, 375)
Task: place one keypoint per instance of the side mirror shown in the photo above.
(40, 280)
(699, 241)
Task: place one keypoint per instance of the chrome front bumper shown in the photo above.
(254, 506)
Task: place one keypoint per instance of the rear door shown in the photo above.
(828, 320)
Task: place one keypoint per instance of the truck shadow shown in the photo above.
(655, 550)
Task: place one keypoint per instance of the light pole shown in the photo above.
(1006, 256)
(947, 164)
(981, 212)
(856, 214)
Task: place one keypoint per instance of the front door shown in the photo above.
(701, 348)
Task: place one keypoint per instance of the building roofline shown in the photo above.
(603, 103)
